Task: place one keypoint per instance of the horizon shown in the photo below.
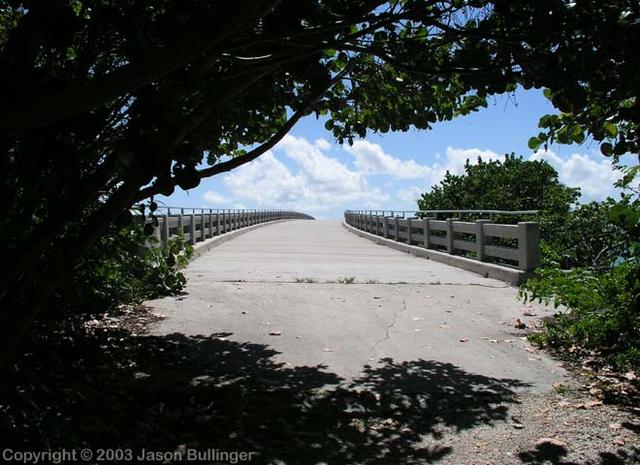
(308, 171)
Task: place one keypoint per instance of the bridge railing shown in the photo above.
(515, 245)
(198, 224)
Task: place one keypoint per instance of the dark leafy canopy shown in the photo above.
(105, 103)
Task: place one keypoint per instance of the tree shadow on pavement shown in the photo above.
(553, 454)
(172, 392)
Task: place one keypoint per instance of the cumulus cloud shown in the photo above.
(323, 144)
(456, 158)
(214, 198)
(317, 182)
(409, 196)
(303, 175)
(370, 159)
(595, 178)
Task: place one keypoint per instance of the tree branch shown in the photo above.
(223, 167)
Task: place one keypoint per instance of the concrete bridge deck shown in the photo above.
(321, 296)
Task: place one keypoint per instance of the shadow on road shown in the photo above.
(556, 455)
(161, 393)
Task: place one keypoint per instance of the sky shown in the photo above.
(309, 171)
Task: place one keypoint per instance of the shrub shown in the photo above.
(126, 266)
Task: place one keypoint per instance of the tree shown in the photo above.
(107, 103)
(512, 184)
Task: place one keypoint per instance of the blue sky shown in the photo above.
(308, 171)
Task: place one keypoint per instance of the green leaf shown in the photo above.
(611, 130)
(606, 149)
(534, 143)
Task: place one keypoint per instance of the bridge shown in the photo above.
(341, 296)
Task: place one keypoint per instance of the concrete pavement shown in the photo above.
(320, 296)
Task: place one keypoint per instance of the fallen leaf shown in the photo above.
(551, 441)
(615, 426)
(464, 340)
(618, 442)
(275, 333)
(593, 403)
(519, 324)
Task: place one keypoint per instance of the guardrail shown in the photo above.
(198, 224)
(516, 245)
(435, 214)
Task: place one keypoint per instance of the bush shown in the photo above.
(601, 303)
(125, 267)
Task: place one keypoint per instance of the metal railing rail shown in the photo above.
(434, 213)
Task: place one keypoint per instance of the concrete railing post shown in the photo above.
(528, 245)
(181, 222)
(409, 239)
(210, 223)
(426, 233)
(396, 236)
(480, 239)
(385, 227)
(192, 220)
(164, 231)
(450, 235)
(203, 235)
(157, 231)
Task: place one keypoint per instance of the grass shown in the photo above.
(306, 280)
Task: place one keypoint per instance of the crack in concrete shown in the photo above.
(388, 330)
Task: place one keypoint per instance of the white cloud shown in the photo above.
(409, 196)
(370, 159)
(323, 144)
(214, 198)
(302, 175)
(456, 159)
(594, 178)
(319, 183)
